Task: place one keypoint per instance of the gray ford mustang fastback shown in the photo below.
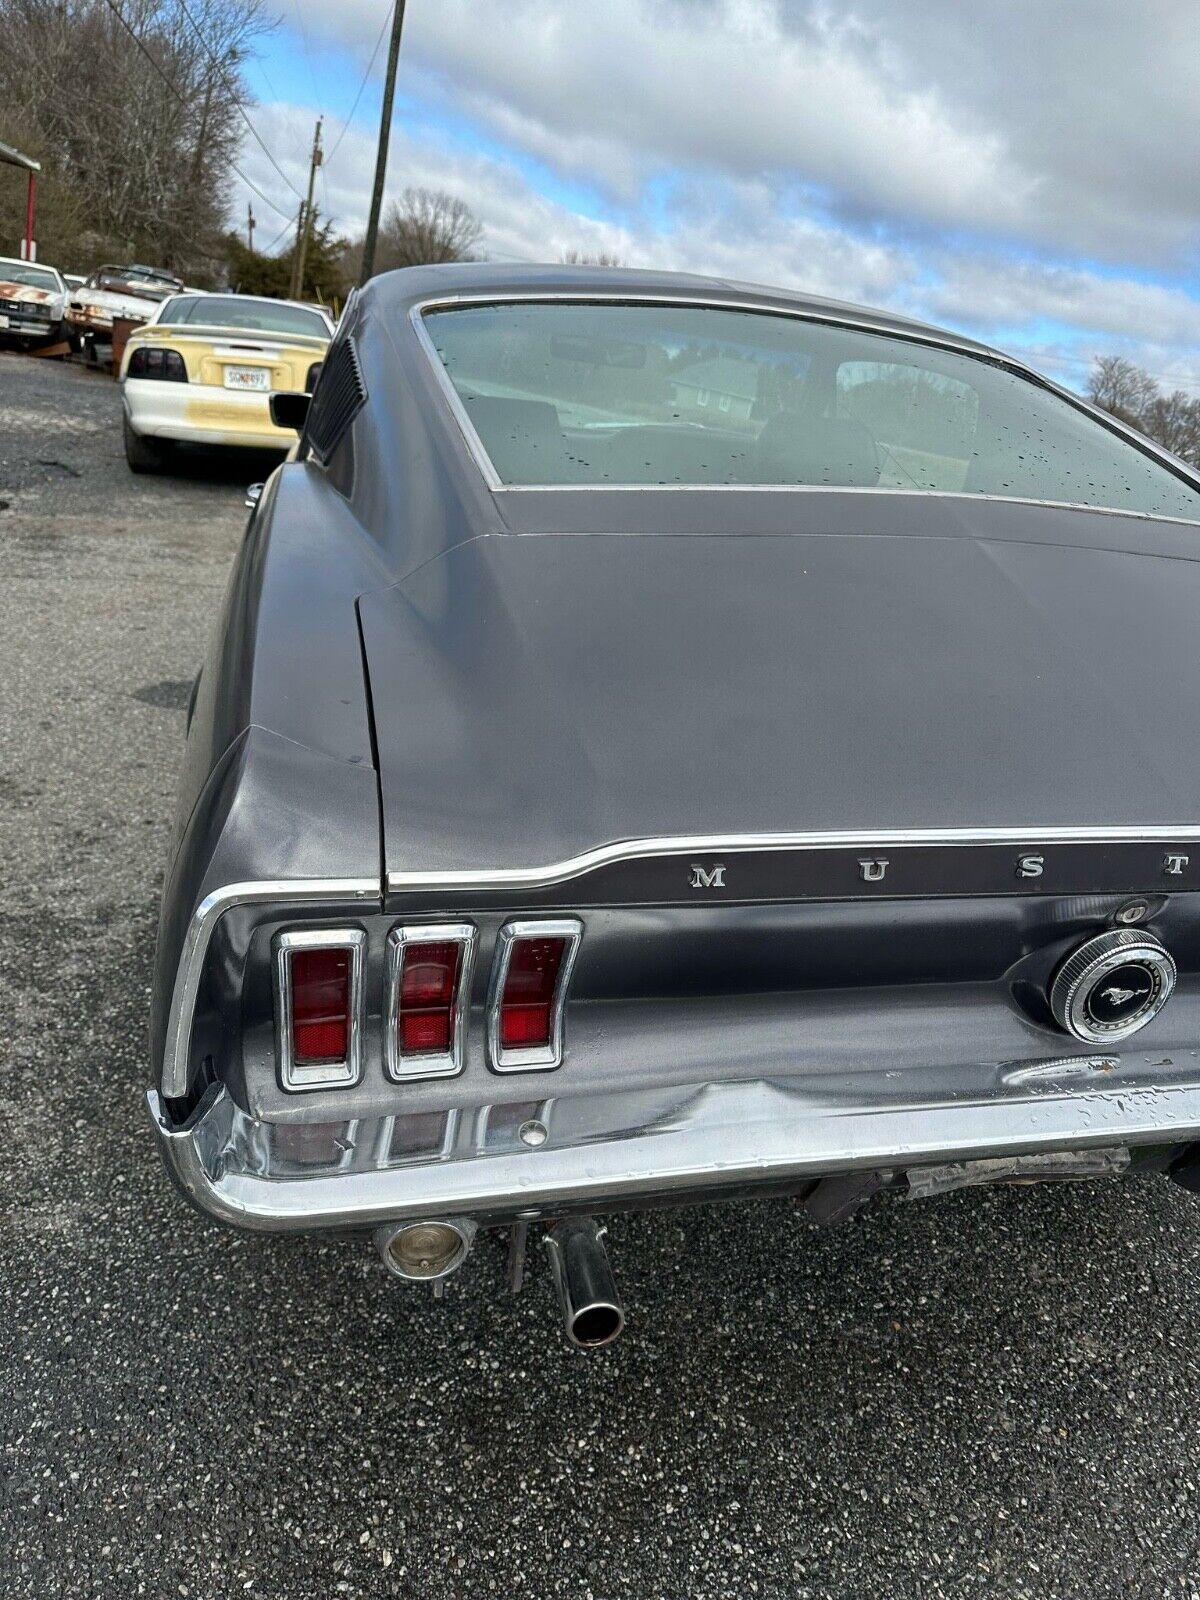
(667, 740)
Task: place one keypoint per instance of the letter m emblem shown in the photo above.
(708, 877)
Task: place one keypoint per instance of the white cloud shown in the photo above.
(956, 162)
(1069, 125)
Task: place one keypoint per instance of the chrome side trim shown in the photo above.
(296, 1076)
(436, 1063)
(537, 1058)
(296, 891)
(545, 876)
(862, 324)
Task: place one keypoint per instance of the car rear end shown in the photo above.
(205, 384)
(619, 957)
(728, 843)
(628, 1037)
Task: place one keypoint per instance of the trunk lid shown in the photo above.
(538, 696)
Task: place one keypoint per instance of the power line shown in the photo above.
(237, 99)
(366, 75)
(265, 198)
(312, 77)
(287, 228)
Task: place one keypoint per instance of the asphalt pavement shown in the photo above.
(993, 1394)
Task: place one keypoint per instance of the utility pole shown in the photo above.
(304, 230)
(250, 227)
(381, 155)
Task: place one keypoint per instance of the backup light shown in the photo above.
(429, 994)
(423, 1252)
(529, 987)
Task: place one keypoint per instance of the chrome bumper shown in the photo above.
(619, 1151)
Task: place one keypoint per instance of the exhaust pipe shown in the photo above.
(587, 1291)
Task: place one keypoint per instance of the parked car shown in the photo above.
(597, 795)
(203, 370)
(132, 294)
(33, 300)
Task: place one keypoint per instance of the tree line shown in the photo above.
(138, 111)
(1127, 392)
(133, 109)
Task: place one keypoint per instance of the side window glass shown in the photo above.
(924, 423)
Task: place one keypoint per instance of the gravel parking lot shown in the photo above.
(992, 1395)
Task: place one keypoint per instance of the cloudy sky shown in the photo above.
(1028, 172)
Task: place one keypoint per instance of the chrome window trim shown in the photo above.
(546, 876)
(860, 324)
(296, 1077)
(429, 1063)
(534, 1058)
(210, 910)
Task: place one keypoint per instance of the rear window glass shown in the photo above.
(248, 316)
(577, 393)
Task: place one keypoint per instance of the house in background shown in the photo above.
(722, 384)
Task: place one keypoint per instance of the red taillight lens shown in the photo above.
(320, 987)
(527, 1003)
(429, 973)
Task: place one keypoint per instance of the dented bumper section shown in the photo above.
(584, 1153)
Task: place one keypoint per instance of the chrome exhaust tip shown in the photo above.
(425, 1252)
(587, 1291)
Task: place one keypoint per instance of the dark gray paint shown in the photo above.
(535, 697)
(696, 662)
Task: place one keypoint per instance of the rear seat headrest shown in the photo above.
(797, 447)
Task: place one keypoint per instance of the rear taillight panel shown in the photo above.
(319, 989)
(531, 976)
(352, 1005)
(429, 998)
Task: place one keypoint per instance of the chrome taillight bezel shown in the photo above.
(297, 1076)
(531, 1058)
(402, 1068)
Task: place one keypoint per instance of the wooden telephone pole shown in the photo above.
(381, 155)
(304, 228)
(250, 227)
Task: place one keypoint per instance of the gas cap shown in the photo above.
(1112, 985)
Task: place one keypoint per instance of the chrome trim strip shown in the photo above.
(431, 1063)
(545, 876)
(536, 1058)
(174, 1077)
(296, 1076)
(933, 339)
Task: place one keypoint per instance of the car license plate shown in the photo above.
(3, 320)
(256, 378)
